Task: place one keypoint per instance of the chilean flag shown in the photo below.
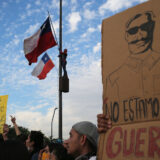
(43, 67)
(42, 40)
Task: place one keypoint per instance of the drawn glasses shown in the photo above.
(144, 27)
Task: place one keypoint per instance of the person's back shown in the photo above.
(13, 150)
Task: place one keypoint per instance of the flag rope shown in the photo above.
(53, 28)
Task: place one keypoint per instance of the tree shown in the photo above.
(23, 130)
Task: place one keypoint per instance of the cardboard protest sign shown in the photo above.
(131, 78)
(132, 141)
(3, 108)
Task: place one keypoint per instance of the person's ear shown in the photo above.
(83, 139)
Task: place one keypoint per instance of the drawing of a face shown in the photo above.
(139, 33)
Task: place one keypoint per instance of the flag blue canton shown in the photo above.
(45, 58)
(46, 27)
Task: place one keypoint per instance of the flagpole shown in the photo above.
(60, 70)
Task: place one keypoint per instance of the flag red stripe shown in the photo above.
(48, 66)
(45, 42)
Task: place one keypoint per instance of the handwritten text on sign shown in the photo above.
(134, 110)
(138, 141)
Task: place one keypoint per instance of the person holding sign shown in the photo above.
(82, 144)
(5, 132)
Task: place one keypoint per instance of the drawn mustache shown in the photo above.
(142, 39)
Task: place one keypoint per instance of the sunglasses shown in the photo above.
(144, 27)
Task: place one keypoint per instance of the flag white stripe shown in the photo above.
(38, 69)
(31, 43)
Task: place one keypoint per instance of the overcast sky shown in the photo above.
(31, 100)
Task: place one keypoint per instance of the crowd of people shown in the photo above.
(81, 144)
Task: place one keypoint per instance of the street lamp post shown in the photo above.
(52, 123)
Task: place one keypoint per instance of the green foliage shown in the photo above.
(12, 133)
(25, 132)
(46, 140)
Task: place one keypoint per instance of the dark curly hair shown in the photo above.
(38, 138)
(59, 151)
